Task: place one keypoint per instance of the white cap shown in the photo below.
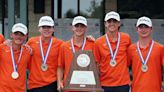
(79, 19)
(144, 20)
(19, 27)
(112, 15)
(46, 21)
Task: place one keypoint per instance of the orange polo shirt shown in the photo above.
(66, 55)
(163, 61)
(112, 76)
(163, 55)
(151, 80)
(2, 39)
(37, 77)
(7, 84)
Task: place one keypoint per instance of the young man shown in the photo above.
(110, 53)
(145, 59)
(67, 50)
(43, 67)
(14, 60)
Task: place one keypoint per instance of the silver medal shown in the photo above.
(15, 75)
(113, 63)
(144, 68)
(44, 67)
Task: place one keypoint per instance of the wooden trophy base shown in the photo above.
(83, 89)
(83, 75)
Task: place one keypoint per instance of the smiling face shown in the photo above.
(18, 38)
(144, 31)
(79, 29)
(46, 31)
(112, 25)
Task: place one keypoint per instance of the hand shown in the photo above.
(60, 86)
(28, 47)
(8, 42)
(90, 37)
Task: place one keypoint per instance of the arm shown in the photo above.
(97, 57)
(129, 64)
(60, 70)
(60, 73)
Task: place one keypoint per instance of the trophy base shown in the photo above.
(83, 89)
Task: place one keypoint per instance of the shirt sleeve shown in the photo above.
(96, 53)
(61, 57)
(1, 52)
(163, 56)
(129, 57)
(2, 39)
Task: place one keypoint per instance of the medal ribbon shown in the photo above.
(144, 62)
(72, 45)
(113, 55)
(44, 58)
(13, 59)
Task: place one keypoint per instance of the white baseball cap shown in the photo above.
(112, 15)
(19, 27)
(46, 21)
(144, 20)
(79, 19)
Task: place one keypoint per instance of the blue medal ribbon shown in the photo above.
(113, 54)
(44, 58)
(13, 59)
(144, 62)
(72, 45)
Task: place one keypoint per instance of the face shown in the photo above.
(112, 25)
(46, 31)
(18, 38)
(79, 29)
(144, 30)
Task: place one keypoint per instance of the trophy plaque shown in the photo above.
(83, 74)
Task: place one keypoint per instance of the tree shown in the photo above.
(96, 10)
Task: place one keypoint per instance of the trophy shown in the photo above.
(83, 73)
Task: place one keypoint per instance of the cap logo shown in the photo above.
(145, 20)
(79, 19)
(45, 20)
(113, 15)
(18, 26)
